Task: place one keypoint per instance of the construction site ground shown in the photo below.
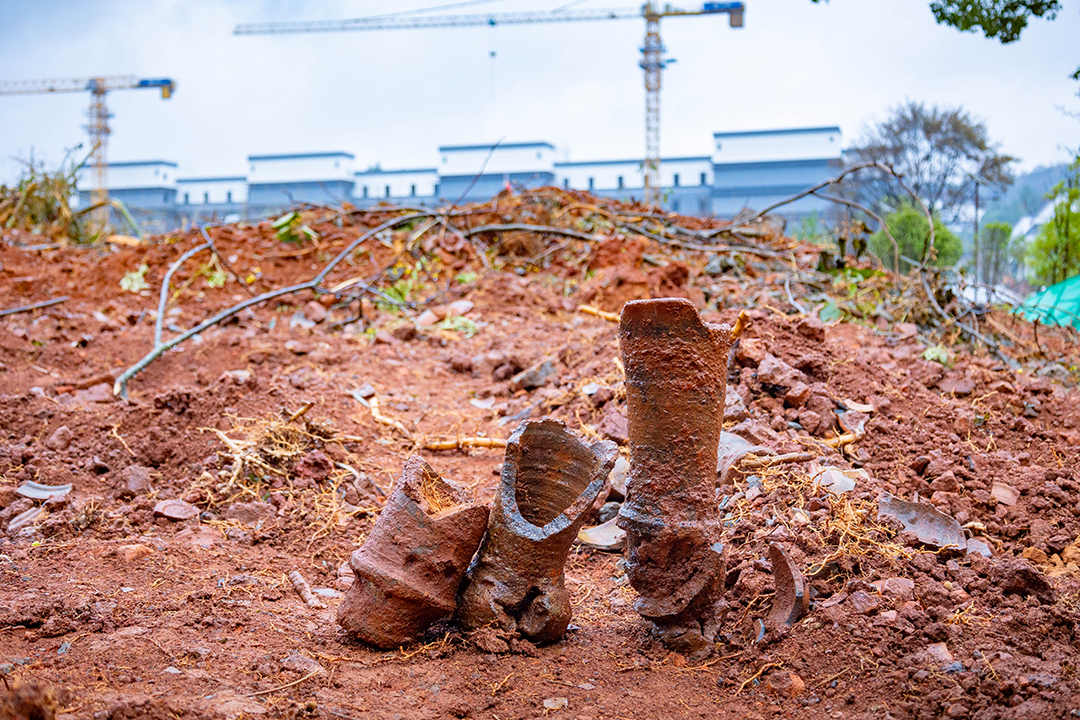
(112, 606)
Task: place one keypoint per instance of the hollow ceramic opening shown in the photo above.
(552, 473)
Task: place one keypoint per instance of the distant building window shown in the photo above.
(187, 198)
(566, 183)
(165, 176)
(165, 197)
(366, 192)
(444, 160)
(412, 190)
(206, 198)
(591, 184)
(704, 178)
(228, 196)
(676, 183)
(337, 164)
(387, 191)
(675, 206)
(620, 182)
(719, 146)
(537, 156)
(704, 206)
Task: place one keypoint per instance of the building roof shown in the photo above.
(301, 156)
(501, 146)
(785, 131)
(211, 179)
(580, 163)
(138, 163)
(373, 171)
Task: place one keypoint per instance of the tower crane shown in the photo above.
(98, 114)
(652, 51)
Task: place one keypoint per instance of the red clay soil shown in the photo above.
(109, 610)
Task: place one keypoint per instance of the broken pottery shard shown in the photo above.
(1004, 494)
(175, 510)
(23, 519)
(409, 568)
(618, 478)
(606, 536)
(929, 525)
(550, 480)
(731, 451)
(37, 491)
(792, 599)
(676, 367)
(835, 480)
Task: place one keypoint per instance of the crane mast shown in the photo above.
(652, 62)
(98, 116)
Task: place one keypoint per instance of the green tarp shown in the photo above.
(1056, 305)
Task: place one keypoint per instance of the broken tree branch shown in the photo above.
(873, 216)
(160, 348)
(542, 229)
(35, 306)
(163, 298)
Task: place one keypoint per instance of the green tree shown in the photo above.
(1054, 255)
(993, 251)
(908, 225)
(937, 150)
(1002, 20)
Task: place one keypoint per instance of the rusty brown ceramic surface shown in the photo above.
(675, 386)
(550, 480)
(410, 567)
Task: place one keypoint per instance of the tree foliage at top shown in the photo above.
(936, 150)
(1001, 20)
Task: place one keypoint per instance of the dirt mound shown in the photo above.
(266, 444)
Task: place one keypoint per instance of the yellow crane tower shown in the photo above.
(98, 114)
(652, 62)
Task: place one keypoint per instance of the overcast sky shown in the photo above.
(394, 97)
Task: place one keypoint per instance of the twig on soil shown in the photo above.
(304, 590)
(164, 295)
(541, 229)
(829, 679)
(311, 674)
(35, 306)
(597, 312)
(755, 676)
(378, 417)
(499, 685)
(223, 261)
(741, 323)
(461, 443)
(749, 249)
(791, 299)
(160, 348)
(756, 463)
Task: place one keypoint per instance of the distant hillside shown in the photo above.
(1026, 196)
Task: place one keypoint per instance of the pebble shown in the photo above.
(315, 312)
(939, 652)
(60, 439)
(135, 480)
(175, 510)
(133, 553)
